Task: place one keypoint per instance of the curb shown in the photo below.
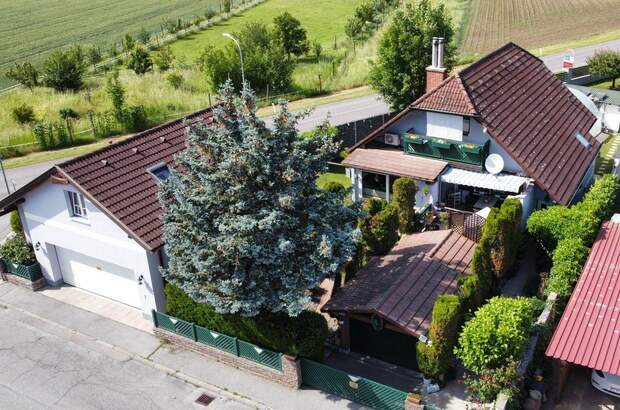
(170, 371)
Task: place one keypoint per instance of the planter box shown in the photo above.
(439, 143)
(471, 148)
(31, 273)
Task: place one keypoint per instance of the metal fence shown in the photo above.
(357, 389)
(218, 340)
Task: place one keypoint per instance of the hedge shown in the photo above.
(17, 250)
(303, 335)
(404, 201)
(434, 359)
(380, 227)
(582, 220)
(498, 333)
(503, 229)
(568, 260)
(16, 223)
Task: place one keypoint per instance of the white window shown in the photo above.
(76, 202)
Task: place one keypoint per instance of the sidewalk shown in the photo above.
(186, 365)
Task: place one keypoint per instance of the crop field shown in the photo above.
(536, 23)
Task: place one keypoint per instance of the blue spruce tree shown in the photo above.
(246, 228)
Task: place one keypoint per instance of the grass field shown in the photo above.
(536, 23)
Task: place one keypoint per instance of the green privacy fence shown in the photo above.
(357, 389)
(218, 340)
(32, 272)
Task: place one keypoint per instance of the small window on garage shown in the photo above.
(160, 171)
(77, 205)
(466, 126)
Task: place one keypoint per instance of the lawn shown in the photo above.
(335, 174)
(536, 23)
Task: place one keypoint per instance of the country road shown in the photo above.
(338, 113)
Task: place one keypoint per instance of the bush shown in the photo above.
(163, 58)
(16, 223)
(303, 335)
(175, 80)
(134, 118)
(333, 186)
(23, 114)
(498, 333)
(568, 259)
(581, 220)
(25, 74)
(404, 200)
(502, 230)
(490, 382)
(64, 69)
(380, 228)
(17, 250)
(434, 360)
(140, 60)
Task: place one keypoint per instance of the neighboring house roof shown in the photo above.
(395, 162)
(589, 331)
(402, 286)
(527, 111)
(117, 181)
(599, 94)
(450, 96)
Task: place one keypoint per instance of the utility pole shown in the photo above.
(8, 191)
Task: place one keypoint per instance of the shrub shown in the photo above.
(303, 335)
(380, 228)
(333, 186)
(175, 80)
(404, 200)
(497, 334)
(502, 230)
(490, 382)
(140, 60)
(17, 250)
(25, 74)
(64, 69)
(163, 58)
(23, 114)
(434, 359)
(16, 223)
(105, 124)
(568, 259)
(134, 118)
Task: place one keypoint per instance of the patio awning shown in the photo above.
(499, 182)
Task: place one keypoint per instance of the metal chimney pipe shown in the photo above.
(440, 51)
(435, 47)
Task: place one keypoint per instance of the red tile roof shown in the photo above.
(395, 162)
(526, 109)
(402, 286)
(450, 97)
(589, 331)
(122, 187)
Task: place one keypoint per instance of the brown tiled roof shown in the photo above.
(121, 187)
(534, 117)
(402, 286)
(450, 96)
(527, 110)
(395, 162)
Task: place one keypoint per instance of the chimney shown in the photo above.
(436, 72)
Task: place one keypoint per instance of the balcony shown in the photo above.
(446, 149)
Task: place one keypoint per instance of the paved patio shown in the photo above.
(101, 306)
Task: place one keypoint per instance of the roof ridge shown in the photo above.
(493, 54)
(134, 137)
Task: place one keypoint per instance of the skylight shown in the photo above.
(583, 141)
(161, 172)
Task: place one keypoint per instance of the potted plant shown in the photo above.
(415, 397)
(426, 190)
(18, 258)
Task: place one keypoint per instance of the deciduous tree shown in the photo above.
(63, 70)
(405, 51)
(247, 229)
(163, 58)
(25, 74)
(605, 63)
(289, 32)
(140, 60)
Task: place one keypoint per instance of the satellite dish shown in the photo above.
(494, 164)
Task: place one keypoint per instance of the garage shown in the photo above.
(383, 344)
(100, 277)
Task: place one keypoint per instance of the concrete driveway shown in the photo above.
(47, 368)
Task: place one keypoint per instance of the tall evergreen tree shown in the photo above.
(246, 227)
(399, 72)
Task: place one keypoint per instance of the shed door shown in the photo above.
(386, 345)
(98, 276)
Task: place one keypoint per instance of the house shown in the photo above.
(94, 221)
(606, 101)
(588, 333)
(504, 126)
(388, 306)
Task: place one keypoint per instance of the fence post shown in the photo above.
(194, 335)
(236, 346)
(154, 317)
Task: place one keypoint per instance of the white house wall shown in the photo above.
(439, 125)
(48, 224)
(478, 136)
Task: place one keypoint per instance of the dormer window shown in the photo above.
(583, 141)
(77, 205)
(160, 171)
(466, 126)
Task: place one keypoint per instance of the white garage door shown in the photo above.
(98, 276)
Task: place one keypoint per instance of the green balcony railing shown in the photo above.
(446, 149)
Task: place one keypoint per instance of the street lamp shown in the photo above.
(230, 36)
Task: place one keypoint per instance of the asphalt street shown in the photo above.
(44, 367)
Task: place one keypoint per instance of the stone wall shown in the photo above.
(290, 375)
(25, 283)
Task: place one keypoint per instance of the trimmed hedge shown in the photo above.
(380, 228)
(503, 229)
(335, 187)
(581, 220)
(498, 333)
(16, 223)
(568, 260)
(303, 335)
(404, 201)
(434, 359)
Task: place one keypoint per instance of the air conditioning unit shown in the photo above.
(392, 139)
